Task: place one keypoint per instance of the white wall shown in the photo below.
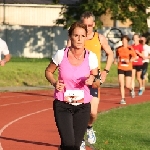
(33, 42)
(29, 14)
(42, 41)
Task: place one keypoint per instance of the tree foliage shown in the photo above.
(55, 1)
(135, 10)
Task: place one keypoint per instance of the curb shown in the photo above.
(46, 87)
(24, 88)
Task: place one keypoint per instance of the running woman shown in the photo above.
(137, 65)
(125, 55)
(76, 67)
(95, 42)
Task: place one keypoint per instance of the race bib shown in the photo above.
(123, 63)
(72, 96)
(137, 57)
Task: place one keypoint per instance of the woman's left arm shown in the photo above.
(92, 77)
(141, 53)
(133, 55)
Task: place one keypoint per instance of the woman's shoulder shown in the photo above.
(61, 50)
(130, 47)
(91, 54)
(120, 48)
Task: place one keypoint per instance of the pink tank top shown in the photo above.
(74, 77)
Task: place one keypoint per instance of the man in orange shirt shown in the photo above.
(125, 55)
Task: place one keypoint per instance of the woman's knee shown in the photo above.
(67, 142)
(128, 86)
(139, 78)
(122, 85)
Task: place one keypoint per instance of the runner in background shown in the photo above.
(125, 55)
(146, 49)
(5, 52)
(95, 42)
(137, 65)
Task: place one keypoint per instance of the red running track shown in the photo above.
(27, 122)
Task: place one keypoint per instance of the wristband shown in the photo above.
(98, 77)
(107, 71)
(95, 78)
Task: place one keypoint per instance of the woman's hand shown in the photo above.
(89, 80)
(115, 62)
(96, 84)
(2, 62)
(137, 52)
(59, 85)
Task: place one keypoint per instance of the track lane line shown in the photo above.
(22, 117)
(23, 102)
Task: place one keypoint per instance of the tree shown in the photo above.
(121, 10)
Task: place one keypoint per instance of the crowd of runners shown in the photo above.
(132, 61)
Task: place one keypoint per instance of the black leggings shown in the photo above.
(71, 122)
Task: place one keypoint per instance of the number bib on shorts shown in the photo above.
(137, 57)
(74, 96)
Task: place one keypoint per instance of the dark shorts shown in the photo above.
(144, 70)
(127, 73)
(94, 91)
(137, 68)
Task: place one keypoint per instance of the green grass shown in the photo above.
(22, 71)
(124, 129)
(24, 59)
(112, 77)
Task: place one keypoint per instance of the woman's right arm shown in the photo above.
(134, 56)
(49, 73)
